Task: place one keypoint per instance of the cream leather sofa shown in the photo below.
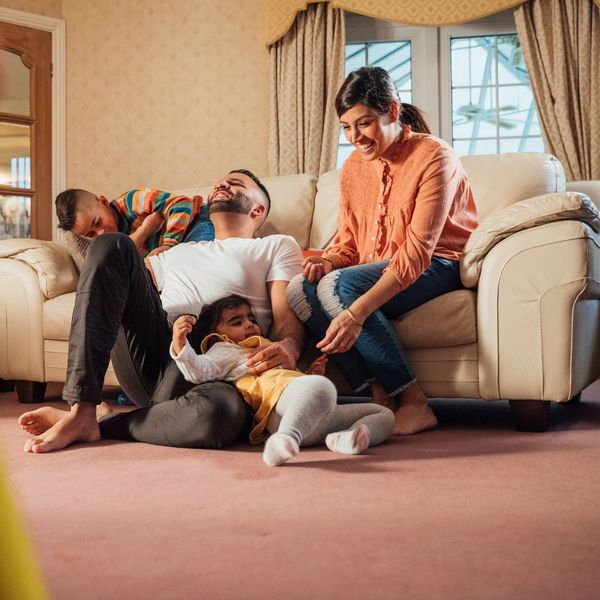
(527, 329)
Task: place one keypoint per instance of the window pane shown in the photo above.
(14, 217)
(474, 112)
(15, 155)
(14, 88)
(511, 67)
(472, 61)
(517, 111)
(482, 108)
(356, 57)
(485, 146)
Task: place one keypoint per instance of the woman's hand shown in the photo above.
(341, 334)
(277, 355)
(181, 329)
(314, 267)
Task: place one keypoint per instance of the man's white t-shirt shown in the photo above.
(193, 274)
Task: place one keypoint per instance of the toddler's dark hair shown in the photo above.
(211, 314)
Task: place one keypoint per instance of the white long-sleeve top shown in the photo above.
(222, 361)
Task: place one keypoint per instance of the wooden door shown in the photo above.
(26, 202)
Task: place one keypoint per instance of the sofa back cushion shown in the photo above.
(499, 180)
(292, 201)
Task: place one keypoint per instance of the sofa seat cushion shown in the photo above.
(448, 320)
(57, 317)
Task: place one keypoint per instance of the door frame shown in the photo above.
(56, 27)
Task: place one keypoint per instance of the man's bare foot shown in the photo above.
(78, 425)
(103, 410)
(40, 420)
(413, 414)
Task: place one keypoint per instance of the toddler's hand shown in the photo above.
(181, 329)
(318, 366)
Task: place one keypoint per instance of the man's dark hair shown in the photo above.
(258, 182)
(211, 314)
(66, 207)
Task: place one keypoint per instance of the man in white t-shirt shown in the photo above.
(118, 308)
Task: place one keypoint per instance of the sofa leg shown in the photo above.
(6, 385)
(30, 391)
(530, 415)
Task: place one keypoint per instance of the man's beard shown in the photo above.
(238, 203)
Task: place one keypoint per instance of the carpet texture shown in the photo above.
(472, 510)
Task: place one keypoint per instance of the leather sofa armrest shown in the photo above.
(51, 261)
(522, 215)
(21, 322)
(537, 316)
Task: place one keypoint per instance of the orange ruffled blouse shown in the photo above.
(411, 208)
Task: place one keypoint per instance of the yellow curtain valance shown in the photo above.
(280, 14)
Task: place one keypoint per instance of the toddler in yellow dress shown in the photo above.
(297, 409)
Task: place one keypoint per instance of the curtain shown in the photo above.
(280, 14)
(561, 47)
(307, 69)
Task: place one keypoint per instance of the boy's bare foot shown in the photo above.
(40, 420)
(78, 425)
(413, 414)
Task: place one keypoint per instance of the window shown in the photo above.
(470, 80)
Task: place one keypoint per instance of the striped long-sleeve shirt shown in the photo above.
(134, 206)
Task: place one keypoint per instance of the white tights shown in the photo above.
(307, 414)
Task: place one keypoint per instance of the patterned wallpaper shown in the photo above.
(166, 94)
(47, 8)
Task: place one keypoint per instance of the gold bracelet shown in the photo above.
(354, 318)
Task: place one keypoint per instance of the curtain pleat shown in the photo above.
(307, 69)
(561, 47)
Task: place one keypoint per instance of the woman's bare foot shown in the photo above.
(413, 414)
(40, 420)
(380, 396)
(78, 425)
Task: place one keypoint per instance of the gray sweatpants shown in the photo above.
(307, 411)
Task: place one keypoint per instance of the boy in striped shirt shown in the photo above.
(155, 220)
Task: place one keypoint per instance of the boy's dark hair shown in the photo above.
(258, 182)
(66, 207)
(375, 88)
(211, 314)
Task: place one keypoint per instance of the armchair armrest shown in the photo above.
(522, 215)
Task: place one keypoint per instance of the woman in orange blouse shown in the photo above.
(406, 211)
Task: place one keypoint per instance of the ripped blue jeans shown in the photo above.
(377, 353)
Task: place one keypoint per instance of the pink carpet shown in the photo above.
(473, 510)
